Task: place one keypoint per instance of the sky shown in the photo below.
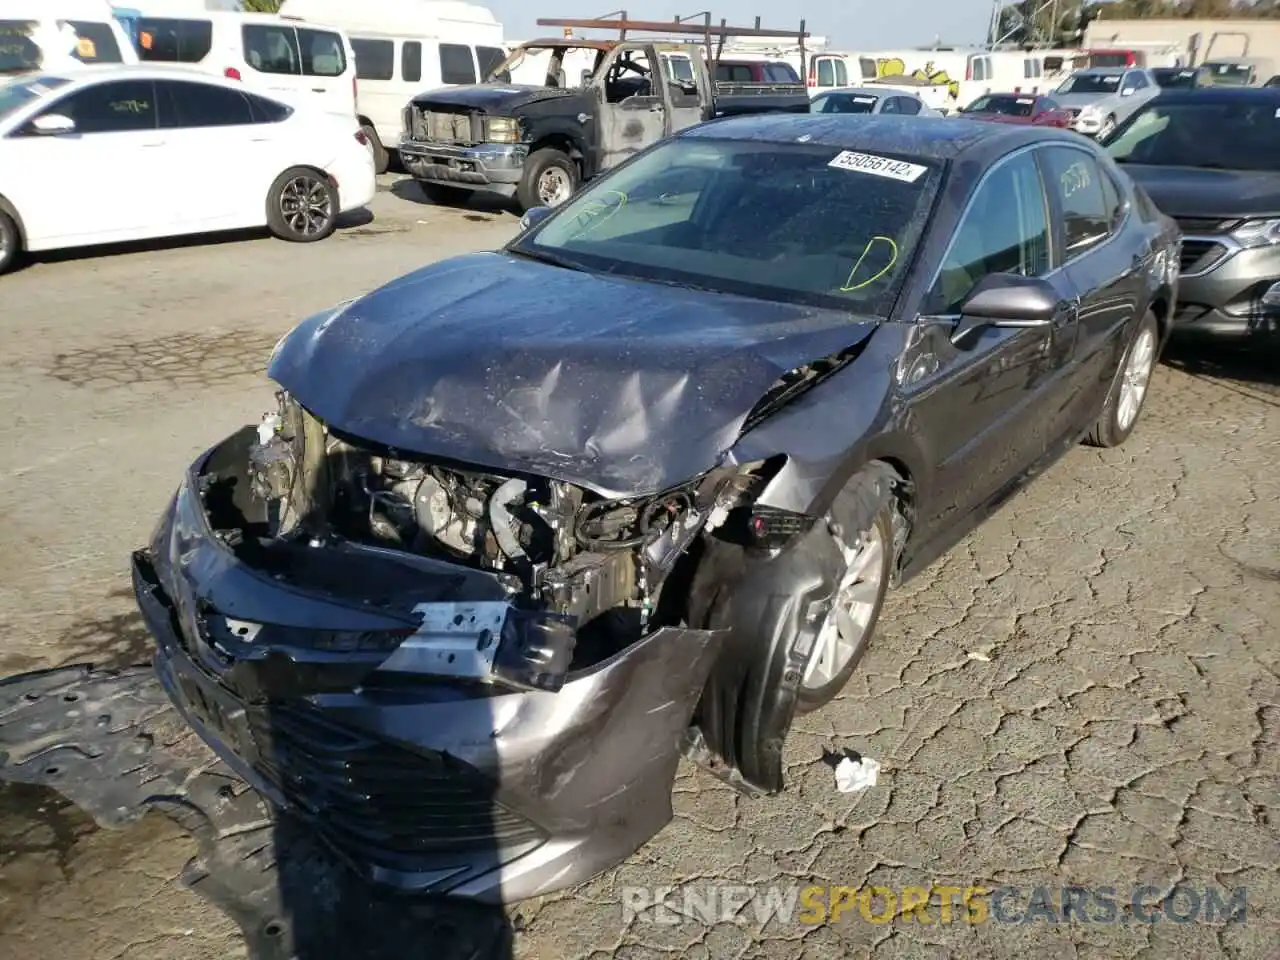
(847, 24)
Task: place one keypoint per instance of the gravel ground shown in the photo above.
(1086, 691)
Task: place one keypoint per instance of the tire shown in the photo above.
(443, 195)
(381, 159)
(546, 169)
(864, 507)
(302, 206)
(10, 242)
(1121, 411)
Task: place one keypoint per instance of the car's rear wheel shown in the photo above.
(10, 242)
(444, 195)
(302, 206)
(550, 178)
(1128, 391)
(381, 159)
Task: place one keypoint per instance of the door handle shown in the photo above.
(318, 90)
(154, 143)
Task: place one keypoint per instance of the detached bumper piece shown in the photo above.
(111, 744)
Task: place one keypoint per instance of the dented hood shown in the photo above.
(621, 386)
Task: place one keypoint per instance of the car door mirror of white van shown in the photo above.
(53, 125)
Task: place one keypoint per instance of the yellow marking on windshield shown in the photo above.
(590, 217)
(850, 286)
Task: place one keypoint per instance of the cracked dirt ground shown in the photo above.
(1087, 691)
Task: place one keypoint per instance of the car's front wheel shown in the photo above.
(1129, 389)
(10, 242)
(550, 178)
(302, 206)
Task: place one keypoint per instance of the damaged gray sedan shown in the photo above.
(530, 524)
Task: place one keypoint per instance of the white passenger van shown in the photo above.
(60, 35)
(966, 73)
(404, 47)
(311, 64)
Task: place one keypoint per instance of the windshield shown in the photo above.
(1006, 106)
(1228, 136)
(17, 92)
(1176, 79)
(844, 103)
(1091, 83)
(793, 222)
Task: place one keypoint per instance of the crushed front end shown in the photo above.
(470, 683)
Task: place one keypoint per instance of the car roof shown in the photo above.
(884, 91)
(929, 138)
(1211, 94)
(130, 72)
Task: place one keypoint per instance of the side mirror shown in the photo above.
(1006, 300)
(53, 125)
(534, 216)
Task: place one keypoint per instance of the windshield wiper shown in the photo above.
(541, 256)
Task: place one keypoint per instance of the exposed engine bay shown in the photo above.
(600, 564)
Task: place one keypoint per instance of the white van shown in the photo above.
(309, 64)
(60, 35)
(404, 47)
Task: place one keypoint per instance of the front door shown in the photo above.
(633, 112)
(108, 180)
(683, 95)
(982, 405)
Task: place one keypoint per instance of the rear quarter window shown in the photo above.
(97, 42)
(18, 52)
(456, 64)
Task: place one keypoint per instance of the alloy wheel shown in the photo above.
(844, 632)
(554, 186)
(1136, 377)
(306, 205)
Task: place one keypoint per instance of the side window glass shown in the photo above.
(95, 44)
(271, 49)
(826, 73)
(456, 64)
(842, 74)
(322, 53)
(1005, 230)
(628, 76)
(185, 104)
(18, 51)
(908, 106)
(375, 59)
(490, 58)
(267, 111)
(890, 105)
(125, 106)
(1113, 199)
(1077, 180)
(174, 41)
(410, 61)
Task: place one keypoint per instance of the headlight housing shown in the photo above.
(1257, 233)
(502, 129)
(1090, 112)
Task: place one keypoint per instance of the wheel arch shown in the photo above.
(12, 211)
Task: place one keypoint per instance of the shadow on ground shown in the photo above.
(1256, 364)
(477, 207)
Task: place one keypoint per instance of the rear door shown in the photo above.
(326, 68)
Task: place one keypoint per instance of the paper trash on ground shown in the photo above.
(854, 775)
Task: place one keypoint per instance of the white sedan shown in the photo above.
(878, 100)
(132, 153)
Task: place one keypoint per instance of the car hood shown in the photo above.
(1195, 192)
(491, 97)
(1078, 101)
(621, 386)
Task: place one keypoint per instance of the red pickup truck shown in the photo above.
(756, 71)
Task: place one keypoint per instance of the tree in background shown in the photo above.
(260, 6)
(1033, 21)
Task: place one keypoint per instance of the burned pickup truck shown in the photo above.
(594, 104)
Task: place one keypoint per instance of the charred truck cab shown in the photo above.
(592, 104)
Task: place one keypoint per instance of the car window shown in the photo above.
(734, 73)
(97, 42)
(842, 74)
(18, 52)
(1112, 199)
(845, 103)
(375, 59)
(164, 40)
(1046, 105)
(1239, 135)
(456, 64)
(1135, 80)
(322, 53)
(271, 49)
(184, 104)
(890, 105)
(490, 58)
(794, 222)
(826, 73)
(780, 73)
(410, 61)
(1077, 180)
(19, 92)
(1005, 229)
(908, 106)
(122, 106)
